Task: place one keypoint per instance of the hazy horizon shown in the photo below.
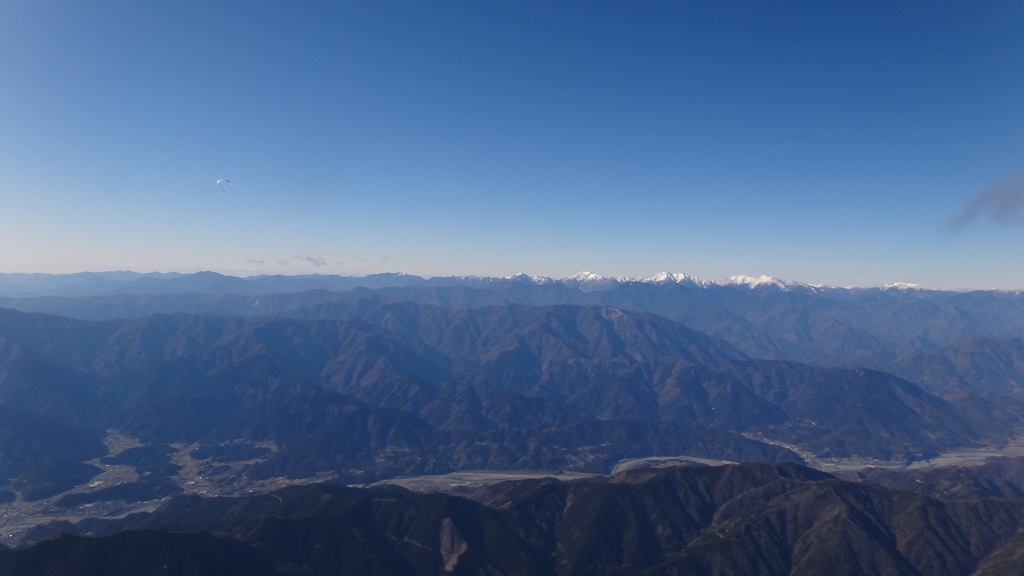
(835, 144)
(735, 279)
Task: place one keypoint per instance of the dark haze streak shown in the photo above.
(1002, 201)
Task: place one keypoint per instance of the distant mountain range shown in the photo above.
(124, 282)
(764, 318)
(118, 390)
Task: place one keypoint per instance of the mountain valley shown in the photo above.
(117, 407)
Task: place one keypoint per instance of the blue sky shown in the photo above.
(846, 143)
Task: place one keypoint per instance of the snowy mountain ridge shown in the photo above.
(588, 281)
(123, 282)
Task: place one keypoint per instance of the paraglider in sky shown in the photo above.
(222, 182)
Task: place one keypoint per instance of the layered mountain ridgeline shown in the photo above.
(991, 366)
(734, 519)
(243, 394)
(763, 317)
(412, 389)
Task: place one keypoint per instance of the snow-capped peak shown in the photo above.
(757, 282)
(529, 279)
(588, 281)
(673, 278)
(584, 276)
(901, 286)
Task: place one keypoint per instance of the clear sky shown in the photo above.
(846, 143)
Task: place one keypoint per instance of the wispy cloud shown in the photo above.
(255, 261)
(312, 260)
(1003, 202)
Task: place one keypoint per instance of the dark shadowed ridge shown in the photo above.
(749, 518)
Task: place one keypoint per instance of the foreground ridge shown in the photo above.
(731, 519)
